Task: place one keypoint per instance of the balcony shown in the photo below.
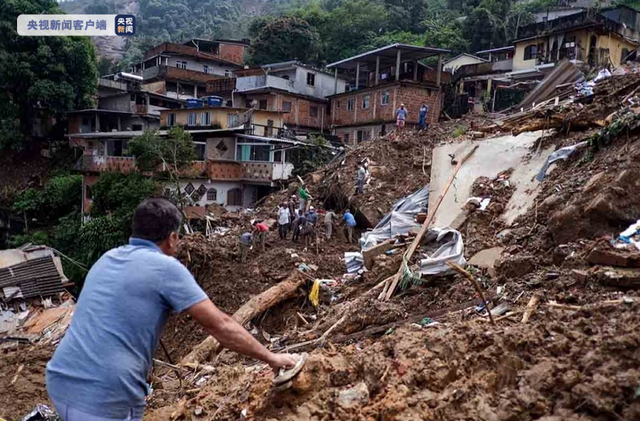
(101, 163)
(168, 72)
(112, 84)
(258, 172)
(249, 83)
(221, 85)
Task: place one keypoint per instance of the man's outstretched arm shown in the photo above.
(233, 336)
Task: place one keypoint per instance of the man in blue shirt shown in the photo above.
(99, 371)
(350, 222)
(401, 117)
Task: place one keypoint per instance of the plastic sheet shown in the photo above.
(449, 248)
(399, 221)
(560, 154)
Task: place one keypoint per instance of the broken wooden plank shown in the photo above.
(531, 307)
(370, 254)
(392, 282)
(248, 311)
(477, 287)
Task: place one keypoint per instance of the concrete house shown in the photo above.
(292, 87)
(463, 59)
(381, 80)
(183, 70)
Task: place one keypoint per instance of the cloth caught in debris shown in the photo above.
(399, 221)
(353, 261)
(450, 248)
(560, 154)
(102, 362)
(314, 295)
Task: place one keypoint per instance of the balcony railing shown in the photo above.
(168, 72)
(248, 83)
(221, 85)
(101, 163)
(262, 172)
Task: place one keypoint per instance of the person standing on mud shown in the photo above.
(361, 176)
(245, 243)
(260, 230)
(284, 220)
(328, 223)
(99, 370)
(350, 223)
(401, 117)
(422, 117)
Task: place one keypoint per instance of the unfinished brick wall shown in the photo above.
(300, 113)
(411, 95)
(233, 53)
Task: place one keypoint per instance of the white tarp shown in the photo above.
(449, 247)
(399, 221)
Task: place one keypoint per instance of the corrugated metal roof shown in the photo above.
(35, 278)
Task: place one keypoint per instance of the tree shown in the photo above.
(283, 39)
(171, 155)
(48, 75)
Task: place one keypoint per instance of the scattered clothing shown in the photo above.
(102, 362)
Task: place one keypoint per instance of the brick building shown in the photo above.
(381, 80)
(183, 70)
(291, 87)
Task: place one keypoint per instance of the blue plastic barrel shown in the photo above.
(214, 101)
(194, 103)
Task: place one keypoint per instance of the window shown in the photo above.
(171, 119)
(87, 192)
(313, 111)
(212, 195)
(117, 148)
(222, 147)
(201, 151)
(227, 73)
(277, 156)
(384, 99)
(263, 104)
(366, 101)
(181, 64)
(193, 119)
(364, 135)
(286, 106)
(205, 69)
(189, 189)
(205, 119)
(530, 52)
(311, 79)
(351, 104)
(253, 153)
(136, 127)
(234, 197)
(346, 138)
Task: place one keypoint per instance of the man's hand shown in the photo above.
(278, 361)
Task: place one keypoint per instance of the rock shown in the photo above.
(580, 275)
(619, 278)
(486, 258)
(350, 398)
(551, 202)
(515, 266)
(611, 258)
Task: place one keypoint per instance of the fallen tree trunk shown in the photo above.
(252, 308)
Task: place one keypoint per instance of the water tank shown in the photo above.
(213, 101)
(194, 103)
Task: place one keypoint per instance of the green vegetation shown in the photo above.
(40, 76)
(55, 220)
(282, 38)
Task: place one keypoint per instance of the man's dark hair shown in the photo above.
(155, 220)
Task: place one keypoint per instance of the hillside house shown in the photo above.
(183, 70)
(591, 38)
(381, 80)
(454, 63)
(291, 87)
(240, 155)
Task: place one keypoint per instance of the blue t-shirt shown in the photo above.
(102, 362)
(351, 221)
(401, 114)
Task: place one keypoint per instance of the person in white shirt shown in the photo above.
(284, 220)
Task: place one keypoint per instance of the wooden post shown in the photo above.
(357, 75)
(415, 71)
(439, 78)
(392, 282)
(377, 70)
(398, 62)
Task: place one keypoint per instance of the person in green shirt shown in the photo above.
(305, 199)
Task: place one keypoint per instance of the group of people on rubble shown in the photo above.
(299, 218)
(402, 113)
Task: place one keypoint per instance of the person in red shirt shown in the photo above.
(261, 229)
